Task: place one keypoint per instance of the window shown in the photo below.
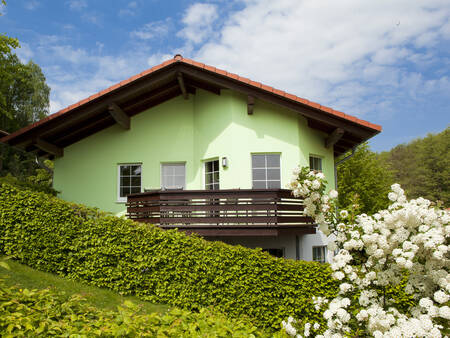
(173, 176)
(315, 163)
(319, 253)
(129, 180)
(212, 175)
(275, 252)
(266, 171)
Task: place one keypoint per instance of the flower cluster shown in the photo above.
(408, 240)
(311, 186)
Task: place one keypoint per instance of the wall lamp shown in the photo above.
(224, 162)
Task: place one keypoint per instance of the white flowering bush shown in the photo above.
(404, 247)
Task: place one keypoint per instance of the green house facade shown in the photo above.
(185, 126)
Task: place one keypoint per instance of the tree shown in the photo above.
(24, 99)
(367, 176)
(422, 167)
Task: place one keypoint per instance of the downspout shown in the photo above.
(37, 160)
(43, 166)
(339, 162)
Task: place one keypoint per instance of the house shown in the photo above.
(199, 149)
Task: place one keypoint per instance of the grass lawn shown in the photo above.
(27, 278)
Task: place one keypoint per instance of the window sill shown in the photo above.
(121, 202)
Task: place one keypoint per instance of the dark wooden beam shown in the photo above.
(203, 85)
(250, 104)
(182, 85)
(231, 232)
(121, 118)
(335, 136)
(49, 147)
(308, 112)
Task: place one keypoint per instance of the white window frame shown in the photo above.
(119, 198)
(171, 163)
(251, 168)
(317, 157)
(204, 170)
(325, 252)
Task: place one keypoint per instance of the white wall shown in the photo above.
(289, 243)
(306, 243)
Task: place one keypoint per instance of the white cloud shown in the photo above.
(91, 18)
(31, 5)
(77, 5)
(129, 10)
(24, 52)
(347, 54)
(198, 20)
(151, 30)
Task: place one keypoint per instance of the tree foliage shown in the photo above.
(24, 99)
(365, 180)
(422, 167)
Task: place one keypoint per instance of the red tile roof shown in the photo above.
(179, 58)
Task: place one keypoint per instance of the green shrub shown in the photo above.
(43, 313)
(49, 234)
(35, 183)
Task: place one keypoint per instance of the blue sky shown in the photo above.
(384, 61)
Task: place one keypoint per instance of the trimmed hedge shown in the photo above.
(52, 235)
(43, 313)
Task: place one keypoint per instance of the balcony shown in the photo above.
(234, 212)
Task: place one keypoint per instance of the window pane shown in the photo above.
(258, 161)
(124, 181)
(179, 182)
(209, 167)
(167, 170)
(135, 190)
(315, 163)
(215, 165)
(179, 169)
(273, 174)
(259, 174)
(273, 184)
(136, 181)
(259, 185)
(216, 177)
(136, 170)
(273, 161)
(216, 186)
(209, 178)
(125, 170)
(124, 191)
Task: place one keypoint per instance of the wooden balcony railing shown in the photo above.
(222, 212)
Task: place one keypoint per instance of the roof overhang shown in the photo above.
(172, 78)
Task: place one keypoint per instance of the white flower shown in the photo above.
(333, 194)
(444, 312)
(343, 214)
(315, 185)
(392, 196)
(441, 297)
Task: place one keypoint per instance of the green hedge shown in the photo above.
(49, 234)
(43, 313)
